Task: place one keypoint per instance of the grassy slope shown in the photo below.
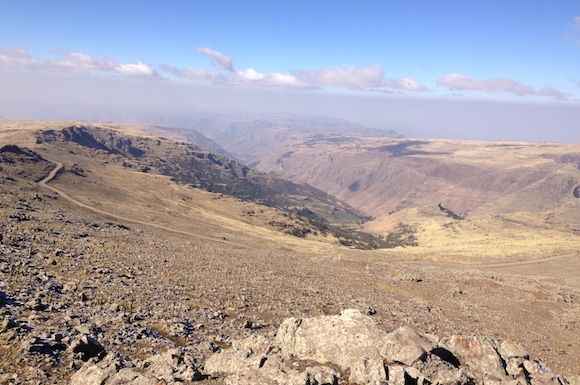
(517, 198)
(99, 179)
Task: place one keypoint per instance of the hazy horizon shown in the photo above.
(93, 98)
(464, 70)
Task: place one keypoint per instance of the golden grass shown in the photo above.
(484, 238)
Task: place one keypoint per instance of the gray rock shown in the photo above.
(405, 346)
(171, 366)
(455, 377)
(83, 329)
(97, 374)
(255, 361)
(127, 376)
(86, 347)
(351, 341)
(35, 304)
(243, 355)
(7, 324)
(396, 375)
(479, 354)
(514, 355)
(544, 379)
(69, 286)
(510, 349)
(412, 375)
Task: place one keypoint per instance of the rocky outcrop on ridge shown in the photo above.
(351, 349)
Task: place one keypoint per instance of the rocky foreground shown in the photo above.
(348, 348)
(87, 301)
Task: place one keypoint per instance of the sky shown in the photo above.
(491, 70)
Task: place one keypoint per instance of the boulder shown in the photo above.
(255, 360)
(479, 354)
(173, 365)
(405, 346)
(86, 347)
(351, 340)
(350, 349)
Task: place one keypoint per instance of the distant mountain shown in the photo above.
(250, 137)
(180, 134)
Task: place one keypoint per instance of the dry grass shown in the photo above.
(484, 238)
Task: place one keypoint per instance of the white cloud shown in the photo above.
(248, 76)
(139, 70)
(252, 77)
(77, 61)
(222, 61)
(196, 74)
(405, 84)
(346, 76)
(457, 81)
(14, 51)
(19, 58)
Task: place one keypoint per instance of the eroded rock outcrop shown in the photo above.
(351, 349)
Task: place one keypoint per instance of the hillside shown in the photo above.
(95, 156)
(455, 195)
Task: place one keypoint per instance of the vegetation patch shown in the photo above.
(403, 235)
(450, 213)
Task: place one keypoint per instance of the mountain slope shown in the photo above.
(100, 161)
(194, 166)
(383, 176)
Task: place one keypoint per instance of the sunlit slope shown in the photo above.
(133, 175)
(460, 200)
(381, 176)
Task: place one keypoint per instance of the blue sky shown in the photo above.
(493, 51)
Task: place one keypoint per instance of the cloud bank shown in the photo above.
(351, 77)
(369, 78)
(20, 58)
(347, 76)
(458, 82)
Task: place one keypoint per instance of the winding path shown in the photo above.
(106, 214)
(525, 263)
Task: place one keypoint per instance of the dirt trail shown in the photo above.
(526, 263)
(492, 265)
(106, 214)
